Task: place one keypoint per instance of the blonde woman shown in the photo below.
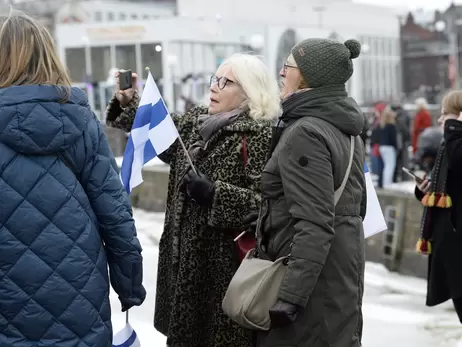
(441, 195)
(388, 145)
(64, 215)
(228, 142)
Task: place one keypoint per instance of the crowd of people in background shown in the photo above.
(397, 139)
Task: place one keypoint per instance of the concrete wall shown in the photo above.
(404, 259)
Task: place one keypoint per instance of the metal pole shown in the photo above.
(454, 50)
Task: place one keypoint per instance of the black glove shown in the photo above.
(199, 187)
(283, 314)
(250, 220)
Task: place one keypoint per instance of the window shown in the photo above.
(100, 63)
(110, 16)
(126, 57)
(122, 16)
(75, 62)
(98, 16)
(134, 16)
(152, 59)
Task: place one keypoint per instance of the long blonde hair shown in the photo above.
(387, 117)
(28, 54)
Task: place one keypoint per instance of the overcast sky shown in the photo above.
(413, 4)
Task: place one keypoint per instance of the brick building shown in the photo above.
(425, 54)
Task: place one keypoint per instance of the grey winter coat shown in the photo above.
(325, 274)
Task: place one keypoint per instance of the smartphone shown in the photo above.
(125, 79)
(418, 179)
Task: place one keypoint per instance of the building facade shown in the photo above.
(183, 42)
(429, 50)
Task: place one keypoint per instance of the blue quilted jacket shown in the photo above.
(63, 220)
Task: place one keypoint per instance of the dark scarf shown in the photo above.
(437, 197)
(209, 125)
(301, 103)
(298, 104)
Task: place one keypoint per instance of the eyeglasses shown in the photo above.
(288, 66)
(220, 81)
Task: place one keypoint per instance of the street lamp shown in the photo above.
(440, 26)
(451, 27)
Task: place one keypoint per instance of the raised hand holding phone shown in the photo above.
(125, 87)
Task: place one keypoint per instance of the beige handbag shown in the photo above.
(255, 286)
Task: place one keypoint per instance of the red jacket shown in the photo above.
(422, 121)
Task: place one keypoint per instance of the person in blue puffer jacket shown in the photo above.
(64, 215)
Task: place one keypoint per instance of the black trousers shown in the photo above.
(458, 306)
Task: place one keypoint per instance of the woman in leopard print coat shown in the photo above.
(228, 143)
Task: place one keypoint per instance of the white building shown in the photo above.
(191, 37)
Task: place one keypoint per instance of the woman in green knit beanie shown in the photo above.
(313, 201)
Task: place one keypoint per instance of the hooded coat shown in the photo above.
(325, 274)
(64, 217)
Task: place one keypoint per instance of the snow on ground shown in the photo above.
(393, 307)
(154, 162)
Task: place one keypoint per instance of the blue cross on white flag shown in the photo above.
(126, 338)
(374, 222)
(153, 132)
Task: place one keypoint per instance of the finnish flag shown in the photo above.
(153, 132)
(374, 221)
(126, 338)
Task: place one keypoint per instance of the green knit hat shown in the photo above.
(325, 62)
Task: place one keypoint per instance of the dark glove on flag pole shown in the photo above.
(199, 187)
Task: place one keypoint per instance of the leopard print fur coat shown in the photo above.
(197, 255)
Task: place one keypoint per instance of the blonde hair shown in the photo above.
(421, 104)
(452, 103)
(28, 54)
(260, 88)
(387, 117)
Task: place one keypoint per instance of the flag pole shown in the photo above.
(185, 150)
(126, 317)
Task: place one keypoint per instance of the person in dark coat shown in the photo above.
(228, 142)
(319, 302)
(64, 214)
(428, 146)
(441, 195)
(403, 130)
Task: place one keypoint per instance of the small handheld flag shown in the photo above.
(126, 338)
(152, 133)
(374, 222)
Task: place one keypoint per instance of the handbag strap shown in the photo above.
(339, 192)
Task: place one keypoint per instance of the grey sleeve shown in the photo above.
(306, 172)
